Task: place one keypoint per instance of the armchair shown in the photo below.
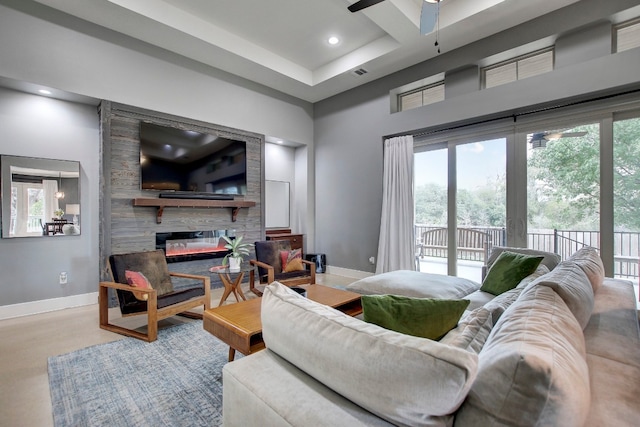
(158, 303)
(269, 263)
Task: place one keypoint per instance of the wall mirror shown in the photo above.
(276, 201)
(40, 197)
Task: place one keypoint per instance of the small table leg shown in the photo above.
(232, 354)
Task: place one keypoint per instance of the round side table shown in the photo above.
(232, 281)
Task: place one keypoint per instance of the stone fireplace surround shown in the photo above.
(127, 228)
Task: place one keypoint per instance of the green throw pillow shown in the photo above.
(508, 270)
(420, 317)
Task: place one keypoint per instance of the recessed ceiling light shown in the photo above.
(279, 142)
(44, 91)
(333, 40)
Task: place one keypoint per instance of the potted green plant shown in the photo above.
(58, 213)
(237, 249)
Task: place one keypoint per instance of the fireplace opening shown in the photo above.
(190, 245)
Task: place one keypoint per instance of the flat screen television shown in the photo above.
(178, 160)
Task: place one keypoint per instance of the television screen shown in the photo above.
(173, 159)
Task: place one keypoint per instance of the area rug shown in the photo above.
(174, 381)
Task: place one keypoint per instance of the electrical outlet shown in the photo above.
(372, 260)
(63, 278)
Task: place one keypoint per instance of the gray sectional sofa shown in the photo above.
(560, 349)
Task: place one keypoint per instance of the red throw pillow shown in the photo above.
(291, 260)
(138, 280)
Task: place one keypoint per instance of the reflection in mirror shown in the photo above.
(40, 197)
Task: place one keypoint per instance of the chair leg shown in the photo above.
(103, 306)
(252, 284)
(152, 319)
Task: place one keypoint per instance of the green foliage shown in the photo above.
(564, 182)
(563, 189)
(486, 206)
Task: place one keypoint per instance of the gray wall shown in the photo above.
(42, 46)
(350, 127)
(35, 126)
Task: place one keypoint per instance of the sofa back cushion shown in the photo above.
(570, 282)
(550, 260)
(403, 379)
(590, 262)
(472, 331)
(532, 369)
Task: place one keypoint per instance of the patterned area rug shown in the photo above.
(174, 381)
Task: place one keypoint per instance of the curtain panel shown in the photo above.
(396, 246)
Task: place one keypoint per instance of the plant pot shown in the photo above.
(234, 264)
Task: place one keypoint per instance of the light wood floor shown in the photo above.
(27, 342)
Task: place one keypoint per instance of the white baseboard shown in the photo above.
(346, 272)
(43, 306)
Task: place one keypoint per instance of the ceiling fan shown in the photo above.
(539, 139)
(428, 16)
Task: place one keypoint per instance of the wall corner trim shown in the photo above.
(44, 306)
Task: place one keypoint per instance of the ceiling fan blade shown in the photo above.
(428, 17)
(573, 134)
(558, 135)
(363, 4)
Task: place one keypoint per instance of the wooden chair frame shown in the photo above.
(310, 279)
(154, 314)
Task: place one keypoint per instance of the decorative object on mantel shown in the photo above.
(237, 249)
(160, 204)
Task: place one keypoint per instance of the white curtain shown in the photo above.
(396, 247)
(50, 202)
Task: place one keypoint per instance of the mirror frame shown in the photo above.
(64, 168)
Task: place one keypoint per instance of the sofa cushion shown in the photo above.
(590, 262)
(532, 369)
(508, 270)
(500, 303)
(265, 390)
(472, 331)
(571, 283)
(550, 260)
(360, 360)
(414, 284)
(420, 317)
(291, 260)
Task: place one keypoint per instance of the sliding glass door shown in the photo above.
(480, 203)
(431, 212)
(460, 194)
(626, 196)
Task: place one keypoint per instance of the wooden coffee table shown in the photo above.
(239, 324)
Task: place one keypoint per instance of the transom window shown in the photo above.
(518, 68)
(627, 35)
(421, 96)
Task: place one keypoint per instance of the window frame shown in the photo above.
(516, 61)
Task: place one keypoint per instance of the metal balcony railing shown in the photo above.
(562, 242)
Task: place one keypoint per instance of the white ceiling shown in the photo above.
(283, 43)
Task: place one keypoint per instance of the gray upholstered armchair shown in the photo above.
(270, 268)
(158, 302)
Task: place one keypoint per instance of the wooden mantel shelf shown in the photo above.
(160, 204)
